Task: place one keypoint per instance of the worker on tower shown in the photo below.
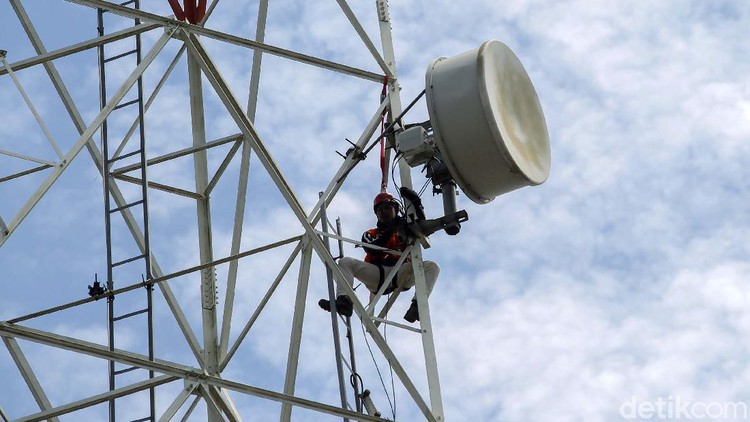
(390, 233)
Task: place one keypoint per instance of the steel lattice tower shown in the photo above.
(208, 84)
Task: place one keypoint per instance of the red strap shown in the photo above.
(178, 13)
(385, 88)
(201, 11)
(190, 10)
(193, 12)
(383, 168)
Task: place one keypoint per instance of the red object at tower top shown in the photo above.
(193, 11)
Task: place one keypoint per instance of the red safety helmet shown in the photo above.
(384, 197)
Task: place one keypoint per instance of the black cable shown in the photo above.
(421, 191)
(377, 368)
(398, 157)
(353, 378)
(390, 366)
(392, 125)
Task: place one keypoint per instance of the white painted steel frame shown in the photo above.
(77, 120)
(179, 401)
(28, 375)
(157, 280)
(295, 338)
(211, 387)
(196, 49)
(428, 343)
(77, 48)
(167, 368)
(231, 39)
(88, 132)
(28, 158)
(239, 209)
(53, 413)
(26, 99)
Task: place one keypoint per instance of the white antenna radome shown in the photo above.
(487, 121)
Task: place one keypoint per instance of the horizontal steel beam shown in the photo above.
(82, 46)
(157, 280)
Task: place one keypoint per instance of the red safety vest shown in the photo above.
(380, 257)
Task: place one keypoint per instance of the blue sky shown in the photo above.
(622, 277)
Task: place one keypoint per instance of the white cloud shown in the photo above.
(558, 349)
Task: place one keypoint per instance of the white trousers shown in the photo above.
(369, 274)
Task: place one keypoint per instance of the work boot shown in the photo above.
(344, 305)
(412, 315)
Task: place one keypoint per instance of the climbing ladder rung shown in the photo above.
(122, 371)
(125, 261)
(395, 324)
(121, 55)
(124, 156)
(135, 205)
(119, 106)
(132, 204)
(131, 314)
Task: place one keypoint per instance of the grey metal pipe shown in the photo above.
(349, 334)
(334, 313)
(449, 205)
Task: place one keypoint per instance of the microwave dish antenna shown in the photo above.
(486, 135)
(489, 134)
(487, 120)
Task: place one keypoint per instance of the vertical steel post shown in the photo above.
(334, 312)
(428, 343)
(109, 186)
(146, 231)
(107, 214)
(239, 209)
(295, 339)
(208, 279)
(349, 334)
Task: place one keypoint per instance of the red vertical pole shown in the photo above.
(383, 166)
(201, 11)
(190, 11)
(178, 13)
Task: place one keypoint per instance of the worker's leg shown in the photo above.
(365, 272)
(369, 274)
(406, 279)
(406, 275)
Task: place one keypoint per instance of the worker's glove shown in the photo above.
(415, 200)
